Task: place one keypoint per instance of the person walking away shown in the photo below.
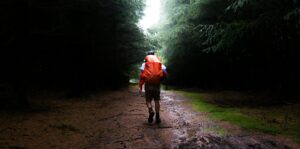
(152, 72)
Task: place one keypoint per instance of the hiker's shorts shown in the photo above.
(152, 92)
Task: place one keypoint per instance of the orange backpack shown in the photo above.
(153, 70)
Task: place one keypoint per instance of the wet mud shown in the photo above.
(118, 120)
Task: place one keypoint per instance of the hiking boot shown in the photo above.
(157, 118)
(150, 119)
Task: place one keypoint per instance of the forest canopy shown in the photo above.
(84, 44)
(67, 42)
(72, 45)
(231, 43)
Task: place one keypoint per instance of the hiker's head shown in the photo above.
(150, 52)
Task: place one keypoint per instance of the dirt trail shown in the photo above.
(119, 120)
(193, 129)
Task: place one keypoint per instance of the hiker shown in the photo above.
(152, 72)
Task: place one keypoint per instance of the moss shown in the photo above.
(267, 120)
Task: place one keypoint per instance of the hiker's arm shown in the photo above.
(141, 83)
(165, 73)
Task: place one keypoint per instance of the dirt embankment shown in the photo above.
(119, 120)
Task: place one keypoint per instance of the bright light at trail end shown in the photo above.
(151, 14)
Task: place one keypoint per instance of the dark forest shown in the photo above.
(75, 45)
(83, 47)
(80, 45)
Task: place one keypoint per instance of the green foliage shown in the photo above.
(228, 41)
(238, 4)
(228, 114)
(206, 11)
(65, 128)
(71, 43)
(271, 120)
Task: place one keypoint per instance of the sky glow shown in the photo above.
(151, 14)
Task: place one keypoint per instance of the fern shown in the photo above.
(237, 4)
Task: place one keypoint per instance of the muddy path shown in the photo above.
(118, 119)
(192, 129)
(181, 128)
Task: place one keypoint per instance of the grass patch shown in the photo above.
(218, 130)
(65, 127)
(272, 120)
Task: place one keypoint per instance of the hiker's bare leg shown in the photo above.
(150, 110)
(149, 104)
(148, 100)
(157, 106)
